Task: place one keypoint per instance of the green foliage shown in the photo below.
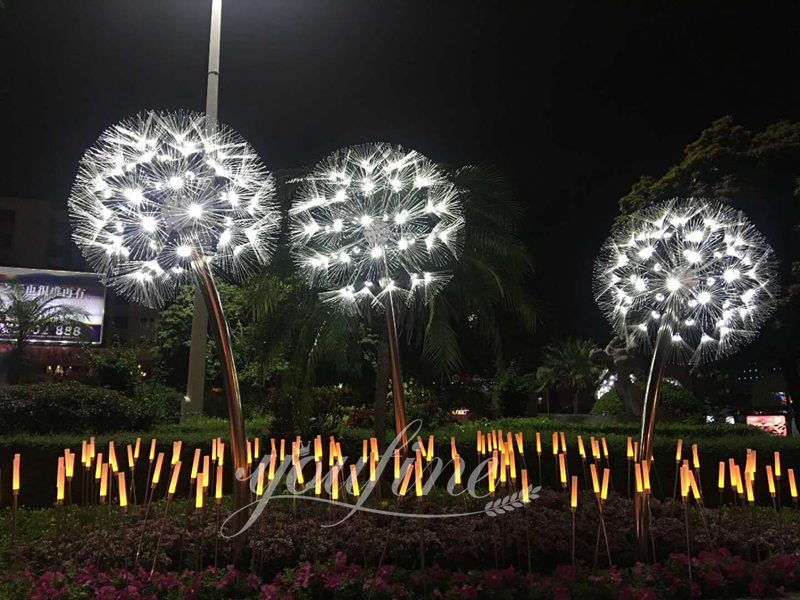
(116, 367)
(72, 407)
(511, 390)
(567, 366)
(674, 401)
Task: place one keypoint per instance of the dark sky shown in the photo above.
(572, 100)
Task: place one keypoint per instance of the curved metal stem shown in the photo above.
(663, 341)
(230, 383)
(397, 380)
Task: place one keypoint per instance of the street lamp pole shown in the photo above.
(195, 384)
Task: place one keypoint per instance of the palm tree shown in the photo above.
(567, 366)
(488, 295)
(23, 316)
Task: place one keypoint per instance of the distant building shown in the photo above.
(36, 234)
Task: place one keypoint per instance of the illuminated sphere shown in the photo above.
(159, 191)
(695, 265)
(376, 220)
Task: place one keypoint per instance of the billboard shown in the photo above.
(84, 291)
(774, 424)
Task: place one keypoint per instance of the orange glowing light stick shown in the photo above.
(260, 479)
(372, 467)
(503, 465)
(538, 444)
(84, 452)
(176, 452)
(637, 473)
(274, 449)
(563, 443)
(298, 470)
(525, 493)
(555, 443)
(317, 448)
(220, 453)
(91, 449)
(731, 465)
(581, 449)
(152, 449)
(453, 447)
(206, 471)
(684, 483)
(457, 469)
(396, 464)
(721, 476)
(112, 457)
(739, 488)
(256, 448)
(693, 486)
(478, 441)
(635, 450)
(157, 472)
(429, 455)
(131, 462)
(198, 496)
(15, 475)
(406, 480)
(214, 450)
(69, 463)
(573, 502)
(273, 458)
(629, 453)
(283, 449)
(136, 449)
(792, 484)
(595, 449)
(339, 456)
(373, 442)
(562, 468)
(99, 467)
(678, 451)
(421, 446)
(646, 476)
(777, 464)
(418, 475)
(218, 490)
(595, 484)
(364, 450)
(60, 481)
(695, 458)
(605, 448)
(354, 480)
(494, 439)
(749, 485)
(335, 482)
(123, 491)
(249, 454)
(606, 476)
(173, 479)
(195, 464)
(318, 479)
(770, 481)
(513, 465)
(104, 483)
(488, 442)
(520, 447)
(492, 472)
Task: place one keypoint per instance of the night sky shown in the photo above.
(572, 101)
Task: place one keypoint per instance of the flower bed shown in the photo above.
(715, 575)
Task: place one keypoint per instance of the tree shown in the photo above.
(759, 173)
(23, 316)
(567, 366)
(488, 299)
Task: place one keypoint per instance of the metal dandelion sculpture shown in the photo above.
(691, 281)
(373, 224)
(164, 199)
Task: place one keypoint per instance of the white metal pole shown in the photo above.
(195, 384)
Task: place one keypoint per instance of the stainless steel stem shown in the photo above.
(230, 383)
(397, 380)
(659, 361)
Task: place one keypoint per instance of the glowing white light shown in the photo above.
(167, 175)
(395, 200)
(691, 247)
(311, 228)
(149, 224)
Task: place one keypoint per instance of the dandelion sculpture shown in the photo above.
(165, 199)
(689, 280)
(375, 224)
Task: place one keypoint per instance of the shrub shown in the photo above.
(73, 407)
(675, 401)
